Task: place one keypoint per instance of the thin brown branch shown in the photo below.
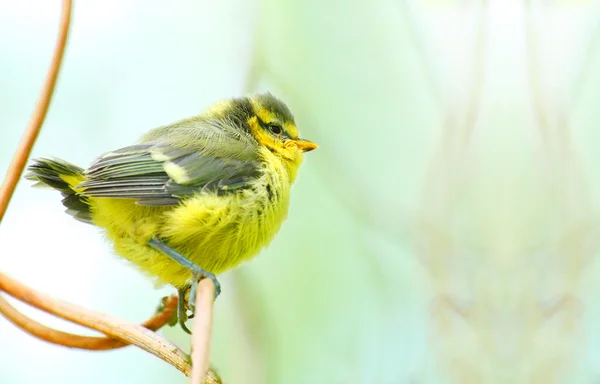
(112, 326)
(160, 319)
(39, 114)
(205, 298)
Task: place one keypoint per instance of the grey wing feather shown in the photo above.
(155, 174)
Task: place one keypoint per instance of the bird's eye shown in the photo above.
(276, 129)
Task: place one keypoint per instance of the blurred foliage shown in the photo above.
(433, 180)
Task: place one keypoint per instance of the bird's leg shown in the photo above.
(197, 272)
(197, 275)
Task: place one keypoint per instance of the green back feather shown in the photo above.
(175, 162)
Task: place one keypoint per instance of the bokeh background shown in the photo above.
(444, 232)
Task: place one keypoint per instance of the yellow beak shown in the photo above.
(306, 145)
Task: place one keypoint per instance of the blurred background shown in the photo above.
(444, 232)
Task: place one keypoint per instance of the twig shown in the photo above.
(109, 325)
(205, 297)
(39, 114)
(160, 319)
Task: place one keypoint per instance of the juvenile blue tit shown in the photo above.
(193, 198)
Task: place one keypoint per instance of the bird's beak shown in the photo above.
(306, 145)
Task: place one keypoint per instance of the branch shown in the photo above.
(160, 319)
(39, 114)
(205, 298)
(112, 326)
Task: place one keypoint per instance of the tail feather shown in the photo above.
(62, 176)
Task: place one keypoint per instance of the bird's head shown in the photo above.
(267, 120)
(273, 126)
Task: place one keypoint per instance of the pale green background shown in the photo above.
(328, 289)
(339, 296)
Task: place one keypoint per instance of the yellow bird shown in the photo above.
(194, 198)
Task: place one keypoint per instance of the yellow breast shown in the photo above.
(214, 232)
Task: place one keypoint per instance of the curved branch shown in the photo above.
(39, 114)
(160, 319)
(112, 326)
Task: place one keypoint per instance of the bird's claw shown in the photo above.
(194, 289)
(189, 303)
(182, 315)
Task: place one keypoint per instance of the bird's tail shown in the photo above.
(64, 177)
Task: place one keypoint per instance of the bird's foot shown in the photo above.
(197, 275)
(194, 287)
(189, 301)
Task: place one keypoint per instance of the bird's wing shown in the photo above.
(157, 174)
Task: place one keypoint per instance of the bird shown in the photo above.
(191, 199)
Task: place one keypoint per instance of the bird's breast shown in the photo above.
(218, 232)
